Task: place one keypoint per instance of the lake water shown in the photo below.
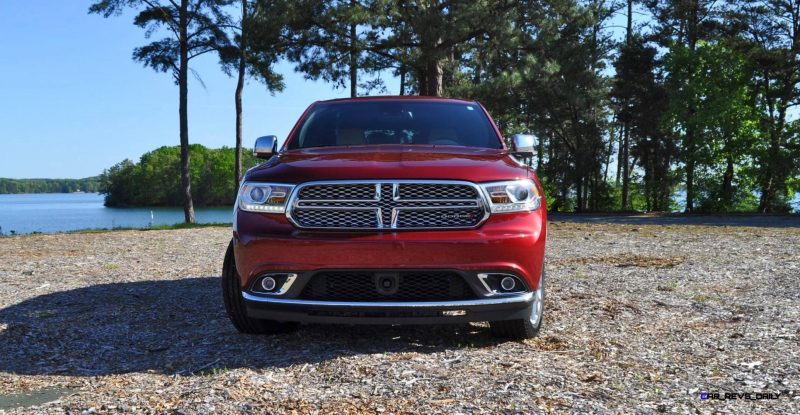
(59, 212)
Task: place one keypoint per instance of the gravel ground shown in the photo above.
(638, 318)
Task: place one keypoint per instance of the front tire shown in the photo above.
(522, 329)
(234, 304)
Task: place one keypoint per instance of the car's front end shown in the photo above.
(389, 234)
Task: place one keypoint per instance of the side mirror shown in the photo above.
(523, 145)
(265, 146)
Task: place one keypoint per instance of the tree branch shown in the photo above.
(171, 23)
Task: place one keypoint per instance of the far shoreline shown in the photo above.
(119, 207)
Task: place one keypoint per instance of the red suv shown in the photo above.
(389, 210)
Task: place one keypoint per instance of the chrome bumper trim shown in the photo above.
(511, 299)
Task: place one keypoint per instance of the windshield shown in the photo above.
(393, 122)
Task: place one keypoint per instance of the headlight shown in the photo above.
(264, 197)
(512, 196)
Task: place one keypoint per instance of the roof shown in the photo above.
(398, 98)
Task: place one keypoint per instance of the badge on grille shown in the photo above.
(457, 215)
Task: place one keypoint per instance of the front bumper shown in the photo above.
(512, 243)
(517, 306)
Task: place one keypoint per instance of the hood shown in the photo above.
(386, 162)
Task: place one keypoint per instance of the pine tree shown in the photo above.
(192, 29)
(255, 48)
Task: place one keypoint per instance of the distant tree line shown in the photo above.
(692, 96)
(11, 186)
(155, 179)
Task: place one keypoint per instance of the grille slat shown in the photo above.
(412, 286)
(360, 191)
(344, 218)
(436, 191)
(387, 205)
(421, 218)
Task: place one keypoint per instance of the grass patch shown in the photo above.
(704, 298)
(626, 260)
(669, 287)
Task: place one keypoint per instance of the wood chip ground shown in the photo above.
(637, 320)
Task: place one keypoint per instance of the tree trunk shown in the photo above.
(402, 80)
(626, 174)
(422, 80)
(629, 25)
(540, 155)
(353, 57)
(727, 183)
(690, 132)
(238, 97)
(619, 155)
(611, 136)
(768, 192)
(648, 178)
(183, 86)
(626, 139)
(433, 78)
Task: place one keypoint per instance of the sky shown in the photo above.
(73, 102)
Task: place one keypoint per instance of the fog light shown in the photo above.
(268, 283)
(507, 283)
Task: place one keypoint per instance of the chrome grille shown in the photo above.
(387, 205)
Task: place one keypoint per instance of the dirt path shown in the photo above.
(639, 318)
